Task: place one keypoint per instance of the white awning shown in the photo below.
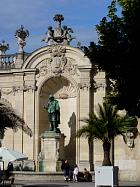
(7, 154)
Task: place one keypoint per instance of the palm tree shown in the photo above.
(105, 126)
(9, 119)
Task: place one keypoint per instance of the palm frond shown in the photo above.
(10, 119)
(107, 124)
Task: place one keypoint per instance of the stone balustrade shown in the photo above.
(7, 61)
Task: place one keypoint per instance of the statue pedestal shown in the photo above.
(51, 146)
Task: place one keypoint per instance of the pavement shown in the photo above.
(43, 183)
(28, 181)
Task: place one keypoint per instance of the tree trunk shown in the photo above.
(90, 143)
(106, 149)
(1, 137)
(112, 151)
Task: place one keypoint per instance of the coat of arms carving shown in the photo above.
(58, 59)
(58, 63)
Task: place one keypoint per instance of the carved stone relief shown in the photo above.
(18, 88)
(84, 84)
(58, 63)
(6, 91)
(66, 92)
(14, 89)
(24, 88)
(100, 85)
(60, 87)
(60, 35)
(6, 102)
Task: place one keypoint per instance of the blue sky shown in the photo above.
(37, 15)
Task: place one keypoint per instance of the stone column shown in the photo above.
(19, 60)
(84, 109)
(50, 147)
(19, 107)
(98, 99)
(29, 113)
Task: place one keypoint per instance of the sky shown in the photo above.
(36, 15)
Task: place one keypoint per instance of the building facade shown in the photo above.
(27, 80)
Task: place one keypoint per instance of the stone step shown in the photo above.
(50, 176)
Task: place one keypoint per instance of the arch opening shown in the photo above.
(65, 92)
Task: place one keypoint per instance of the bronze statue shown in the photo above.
(53, 110)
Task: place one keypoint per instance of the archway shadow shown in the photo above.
(70, 149)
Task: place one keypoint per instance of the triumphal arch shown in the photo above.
(27, 80)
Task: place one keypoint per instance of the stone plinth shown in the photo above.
(50, 148)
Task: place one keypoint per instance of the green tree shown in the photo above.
(105, 126)
(10, 119)
(117, 52)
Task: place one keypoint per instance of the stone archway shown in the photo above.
(66, 72)
(65, 92)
